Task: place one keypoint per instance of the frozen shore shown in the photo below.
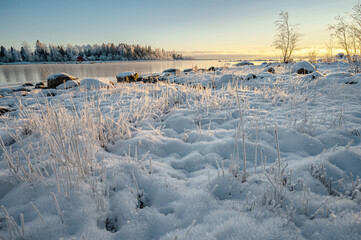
(207, 155)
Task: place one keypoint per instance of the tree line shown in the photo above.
(95, 52)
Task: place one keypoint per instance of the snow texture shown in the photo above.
(95, 83)
(197, 156)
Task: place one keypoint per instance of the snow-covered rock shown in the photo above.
(187, 70)
(244, 63)
(250, 76)
(269, 69)
(127, 77)
(59, 78)
(340, 56)
(312, 76)
(172, 70)
(152, 78)
(68, 84)
(95, 83)
(303, 67)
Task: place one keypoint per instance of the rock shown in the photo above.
(28, 85)
(188, 70)
(270, 70)
(40, 85)
(59, 78)
(303, 67)
(95, 83)
(68, 84)
(312, 76)
(21, 89)
(211, 69)
(351, 82)
(172, 71)
(244, 63)
(127, 77)
(340, 56)
(250, 76)
(149, 78)
(4, 110)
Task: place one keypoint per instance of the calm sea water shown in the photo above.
(38, 72)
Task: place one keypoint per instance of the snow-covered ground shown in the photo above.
(200, 156)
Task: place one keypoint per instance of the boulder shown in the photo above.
(40, 85)
(244, 63)
(127, 77)
(188, 70)
(270, 70)
(250, 76)
(303, 67)
(172, 71)
(28, 85)
(153, 78)
(211, 69)
(95, 83)
(59, 78)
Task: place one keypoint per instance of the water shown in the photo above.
(38, 72)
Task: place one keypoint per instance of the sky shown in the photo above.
(199, 28)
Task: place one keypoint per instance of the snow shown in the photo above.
(67, 84)
(95, 83)
(303, 65)
(165, 160)
(126, 74)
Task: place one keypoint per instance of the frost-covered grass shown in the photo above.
(200, 156)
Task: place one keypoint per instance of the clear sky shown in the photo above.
(195, 27)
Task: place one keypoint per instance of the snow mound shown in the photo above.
(226, 79)
(303, 67)
(95, 83)
(68, 84)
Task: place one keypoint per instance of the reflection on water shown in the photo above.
(39, 72)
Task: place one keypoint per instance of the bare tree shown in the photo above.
(329, 52)
(347, 33)
(287, 37)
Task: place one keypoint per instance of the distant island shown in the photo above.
(95, 52)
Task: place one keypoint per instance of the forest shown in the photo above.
(95, 52)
